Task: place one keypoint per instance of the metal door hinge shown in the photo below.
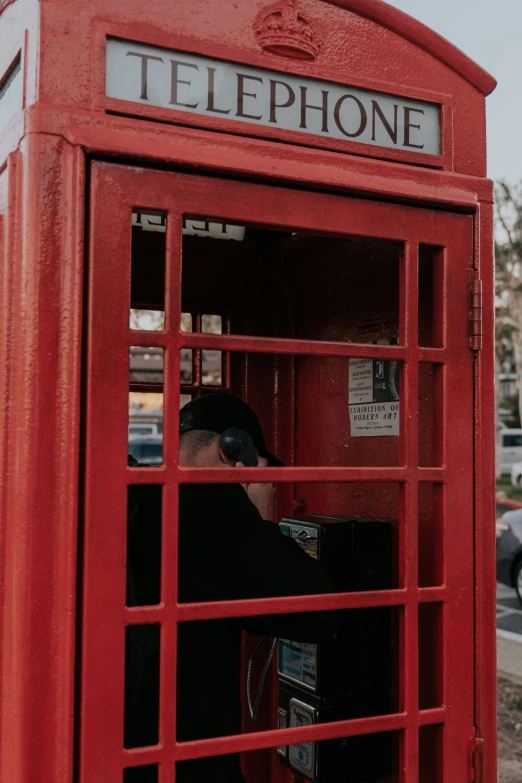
(475, 315)
(477, 755)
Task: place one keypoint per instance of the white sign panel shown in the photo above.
(11, 96)
(373, 388)
(298, 662)
(302, 756)
(156, 222)
(214, 88)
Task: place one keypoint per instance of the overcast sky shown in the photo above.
(490, 32)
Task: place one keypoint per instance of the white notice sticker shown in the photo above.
(373, 397)
(298, 662)
(302, 756)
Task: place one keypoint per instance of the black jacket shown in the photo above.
(226, 552)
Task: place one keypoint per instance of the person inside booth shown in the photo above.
(229, 549)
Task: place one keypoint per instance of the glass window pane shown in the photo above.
(187, 367)
(431, 750)
(144, 545)
(212, 324)
(431, 296)
(142, 678)
(373, 758)
(186, 322)
(211, 368)
(141, 774)
(147, 305)
(284, 283)
(146, 405)
(431, 652)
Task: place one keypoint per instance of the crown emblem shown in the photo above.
(4, 4)
(282, 29)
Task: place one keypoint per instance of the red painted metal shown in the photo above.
(180, 43)
(50, 487)
(109, 284)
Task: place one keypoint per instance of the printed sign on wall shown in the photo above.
(373, 388)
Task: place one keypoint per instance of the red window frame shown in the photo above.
(105, 616)
(196, 387)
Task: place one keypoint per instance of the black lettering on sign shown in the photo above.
(408, 125)
(176, 81)
(144, 71)
(212, 93)
(323, 108)
(362, 112)
(290, 100)
(377, 111)
(241, 95)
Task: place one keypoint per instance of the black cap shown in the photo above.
(220, 412)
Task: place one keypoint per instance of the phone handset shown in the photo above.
(253, 704)
(238, 446)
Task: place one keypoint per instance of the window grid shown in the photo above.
(409, 597)
(408, 475)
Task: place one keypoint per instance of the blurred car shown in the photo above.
(139, 428)
(516, 474)
(146, 450)
(509, 450)
(509, 550)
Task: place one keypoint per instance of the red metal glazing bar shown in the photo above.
(281, 605)
(227, 374)
(146, 388)
(191, 388)
(105, 509)
(305, 474)
(428, 595)
(292, 475)
(170, 506)
(410, 510)
(159, 754)
(169, 627)
(167, 773)
(161, 475)
(432, 355)
(196, 354)
(221, 746)
(240, 343)
(144, 339)
(283, 345)
(484, 489)
(146, 615)
(432, 717)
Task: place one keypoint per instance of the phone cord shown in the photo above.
(254, 708)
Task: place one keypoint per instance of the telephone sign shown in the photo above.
(213, 88)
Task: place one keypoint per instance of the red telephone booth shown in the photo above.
(302, 186)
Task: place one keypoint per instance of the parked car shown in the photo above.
(509, 550)
(146, 450)
(516, 474)
(509, 450)
(139, 428)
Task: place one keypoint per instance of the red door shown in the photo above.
(290, 299)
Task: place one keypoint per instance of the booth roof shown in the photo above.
(407, 27)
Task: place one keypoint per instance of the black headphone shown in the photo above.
(237, 445)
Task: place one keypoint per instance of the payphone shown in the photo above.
(357, 137)
(350, 676)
